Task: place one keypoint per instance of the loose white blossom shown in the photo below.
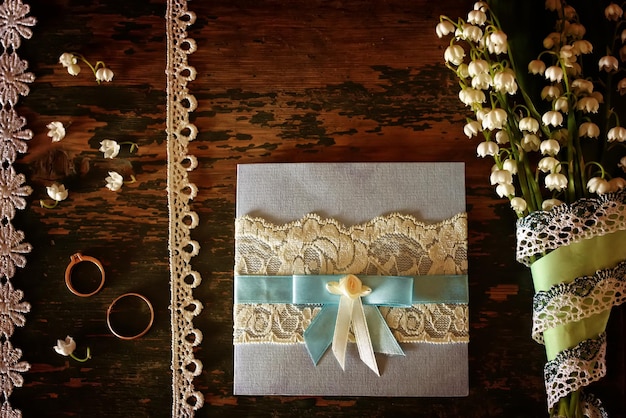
(114, 181)
(65, 347)
(487, 148)
(454, 54)
(73, 69)
(57, 192)
(110, 148)
(622, 164)
(66, 59)
(553, 118)
(56, 131)
(519, 205)
(444, 28)
(613, 12)
(589, 130)
(104, 74)
(608, 63)
(505, 190)
(554, 73)
(617, 133)
(598, 185)
(529, 124)
(550, 147)
(556, 181)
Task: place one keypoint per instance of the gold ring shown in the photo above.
(78, 258)
(132, 337)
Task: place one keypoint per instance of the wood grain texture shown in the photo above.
(278, 81)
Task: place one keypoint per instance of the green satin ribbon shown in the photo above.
(395, 291)
(565, 264)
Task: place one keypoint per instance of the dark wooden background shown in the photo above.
(278, 81)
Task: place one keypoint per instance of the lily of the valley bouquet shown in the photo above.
(545, 81)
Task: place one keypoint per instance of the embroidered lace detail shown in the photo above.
(541, 232)
(575, 368)
(12, 192)
(271, 323)
(392, 245)
(582, 298)
(592, 407)
(431, 323)
(387, 245)
(285, 324)
(15, 24)
(183, 279)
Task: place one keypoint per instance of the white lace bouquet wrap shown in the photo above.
(577, 256)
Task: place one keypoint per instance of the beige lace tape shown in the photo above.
(394, 244)
(180, 191)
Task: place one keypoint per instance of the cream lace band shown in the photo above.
(392, 245)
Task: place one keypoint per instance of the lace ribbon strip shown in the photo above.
(575, 368)
(392, 245)
(15, 25)
(582, 298)
(544, 231)
(180, 191)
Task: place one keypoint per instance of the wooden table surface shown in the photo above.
(277, 81)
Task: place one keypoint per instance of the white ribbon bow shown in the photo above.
(351, 313)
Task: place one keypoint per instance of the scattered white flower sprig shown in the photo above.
(561, 143)
(56, 131)
(66, 348)
(115, 181)
(111, 148)
(70, 61)
(56, 192)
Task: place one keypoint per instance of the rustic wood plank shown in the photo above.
(277, 81)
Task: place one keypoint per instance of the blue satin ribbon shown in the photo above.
(394, 291)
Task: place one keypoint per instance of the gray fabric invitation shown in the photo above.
(351, 194)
